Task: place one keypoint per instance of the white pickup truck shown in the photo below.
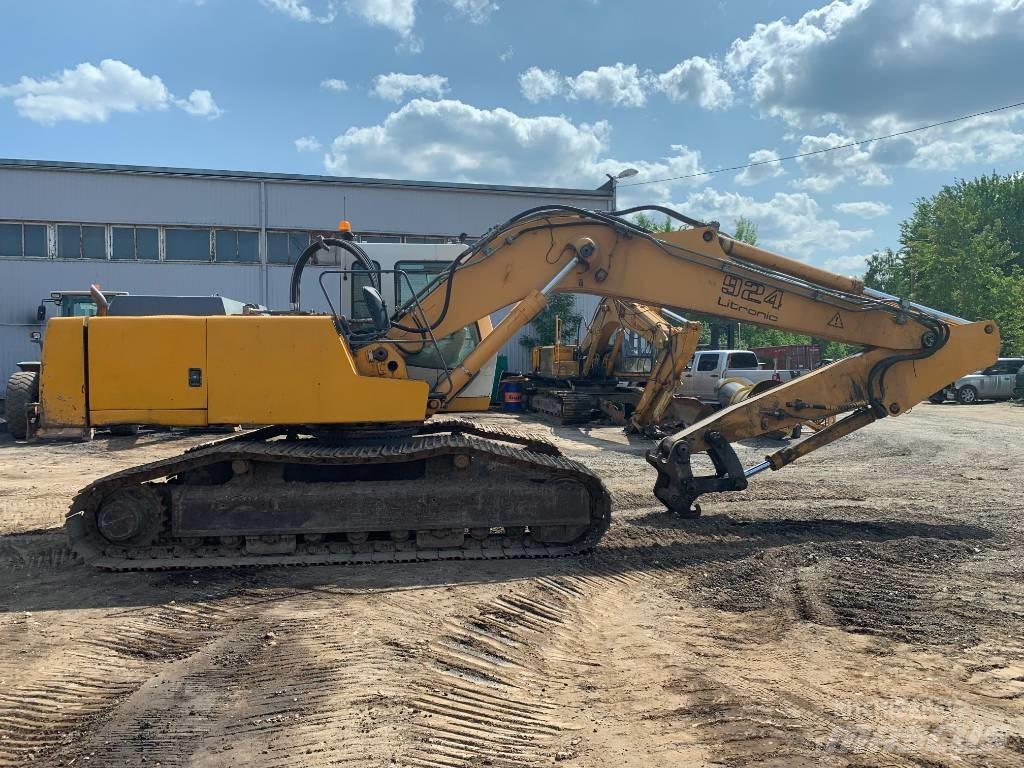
(722, 376)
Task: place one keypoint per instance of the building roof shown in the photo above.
(604, 191)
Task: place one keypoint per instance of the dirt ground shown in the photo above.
(864, 607)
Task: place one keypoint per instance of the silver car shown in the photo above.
(993, 383)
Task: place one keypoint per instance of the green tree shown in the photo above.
(886, 273)
(542, 327)
(648, 223)
(745, 231)
(962, 251)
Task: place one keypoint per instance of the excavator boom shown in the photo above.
(909, 351)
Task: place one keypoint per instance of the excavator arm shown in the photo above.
(909, 351)
(675, 345)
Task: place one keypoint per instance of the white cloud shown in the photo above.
(790, 223)
(507, 54)
(334, 84)
(539, 84)
(626, 85)
(477, 11)
(865, 63)
(865, 209)
(855, 265)
(454, 141)
(697, 79)
(397, 15)
(201, 104)
(768, 168)
(618, 85)
(299, 11)
(827, 169)
(90, 93)
(396, 85)
(308, 144)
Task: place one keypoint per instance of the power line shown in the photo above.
(828, 149)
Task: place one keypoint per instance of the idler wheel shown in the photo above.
(131, 517)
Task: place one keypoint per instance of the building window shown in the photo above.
(187, 244)
(94, 242)
(420, 274)
(81, 241)
(130, 243)
(236, 245)
(147, 243)
(122, 243)
(286, 247)
(23, 241)
(360, 278)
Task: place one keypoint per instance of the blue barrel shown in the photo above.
(514, 397)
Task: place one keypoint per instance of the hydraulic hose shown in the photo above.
(321, 244)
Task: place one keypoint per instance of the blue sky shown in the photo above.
(557, 92)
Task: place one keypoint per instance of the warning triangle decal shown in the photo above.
(836, 321)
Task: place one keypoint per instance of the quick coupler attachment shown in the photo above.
(677, 487)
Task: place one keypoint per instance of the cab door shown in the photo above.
(705, 374)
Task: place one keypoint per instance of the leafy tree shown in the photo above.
(885, 272)
(962, 251)
(648, 223)
(543, 325)
(745, 231)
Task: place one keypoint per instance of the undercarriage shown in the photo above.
(446, 490)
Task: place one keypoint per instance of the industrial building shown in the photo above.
(178, 231)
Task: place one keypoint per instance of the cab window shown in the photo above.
(453, 350)
(745, 361)
(707, 362)
(360, 277)
(420, 275)
(78, 306)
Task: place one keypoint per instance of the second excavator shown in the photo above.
(576, 383)
(355, 470)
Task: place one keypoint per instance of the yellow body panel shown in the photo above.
(465, 404)
(62, 387)
(297, 370)
(252, 370)
(167, 418)
(143, 363)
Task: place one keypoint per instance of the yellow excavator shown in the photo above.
(576, 383)
(355, 470)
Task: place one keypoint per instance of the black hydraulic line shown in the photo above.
(494, 232)
(661, 209)
(320, 244)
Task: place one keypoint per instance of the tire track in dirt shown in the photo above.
(484, 700)
(97, 666)
(298, 678)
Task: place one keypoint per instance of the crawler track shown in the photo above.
(531, 462)
(570, 406)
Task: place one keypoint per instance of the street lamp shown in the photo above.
(625, 173)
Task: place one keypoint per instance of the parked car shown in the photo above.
(1018, 391)
(997, 382)
(711, 375)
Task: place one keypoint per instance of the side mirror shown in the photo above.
(378, 310)
(41, 313)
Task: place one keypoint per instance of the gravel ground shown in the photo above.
(863, 607)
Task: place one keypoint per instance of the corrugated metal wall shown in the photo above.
(107, 195)
(114, 198)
